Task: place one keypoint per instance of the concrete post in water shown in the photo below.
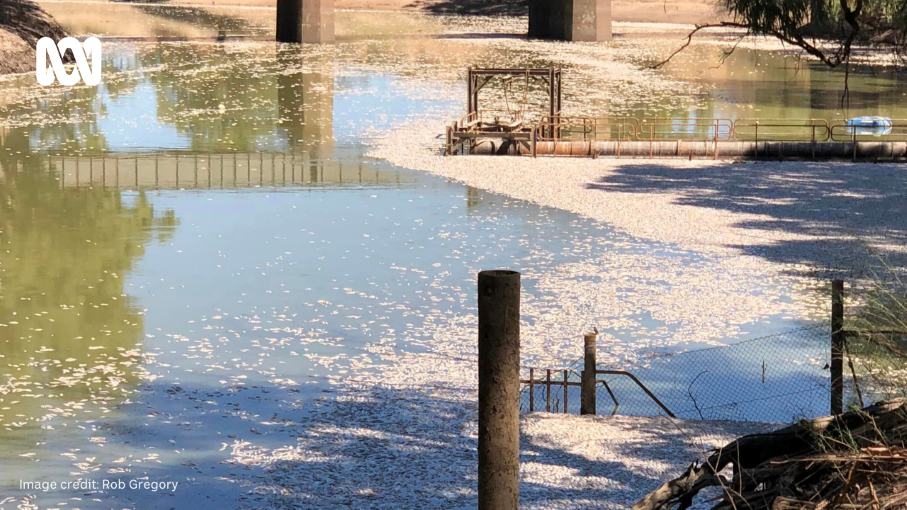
(289, 21)
(591, 20)
(570, 20)
(318, 21)
(837, 347)
(587, 390)
(539, 16)
(308, 21)
(499, 390)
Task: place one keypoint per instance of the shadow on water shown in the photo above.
(473, 7)
(829, 210)
(268, 446)
(204, 18)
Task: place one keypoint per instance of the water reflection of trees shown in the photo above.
(69, 123)
(67, 324)
(198, 17)
(225, 106)
(218, 96)
(766, 85)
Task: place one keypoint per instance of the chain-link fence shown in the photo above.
(772, 378)
(779, 377)
(878, 364)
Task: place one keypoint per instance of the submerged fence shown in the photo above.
(771, 378)
(779, 377)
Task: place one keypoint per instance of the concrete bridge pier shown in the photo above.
(570, 20)
(305, 21)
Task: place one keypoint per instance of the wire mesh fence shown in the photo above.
(876, 367)
(777, 378)
(771, 378)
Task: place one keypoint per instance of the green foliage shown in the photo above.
(826, 29)
(770, 16)
(879, 353)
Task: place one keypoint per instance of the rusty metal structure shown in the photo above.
(550, 133)
(512, 126)
(478, 78)
(561, 383)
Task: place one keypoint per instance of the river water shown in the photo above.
(209, 217)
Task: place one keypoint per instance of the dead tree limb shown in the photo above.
(812, 464)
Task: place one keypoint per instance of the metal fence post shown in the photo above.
(534, 150)
(499, 390)
(587, 390)
(854, 143)
(531, 390)
(813, 140)
(837, 346)
(716, 138)
(448, 146)
(757, 139)
(566, 387)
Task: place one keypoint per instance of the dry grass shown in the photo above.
(16, 56)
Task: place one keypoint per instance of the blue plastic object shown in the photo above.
(869, 125)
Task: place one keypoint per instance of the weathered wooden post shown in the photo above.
(587, 390)
(499, 390)
(837, 346)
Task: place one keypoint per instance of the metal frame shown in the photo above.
(566, 383)
(477, 78)
(638, 383)
(764, 134)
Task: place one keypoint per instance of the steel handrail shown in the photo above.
(588, 127)
(781, 130)
(652, 130)
(560, 132)
(641, 385)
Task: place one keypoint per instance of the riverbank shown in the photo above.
(15, 54)
(649, 11)
(22, 23)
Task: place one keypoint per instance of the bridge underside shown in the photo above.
(312, 21)
(570, 20)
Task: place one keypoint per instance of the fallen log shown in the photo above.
(856, 460)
